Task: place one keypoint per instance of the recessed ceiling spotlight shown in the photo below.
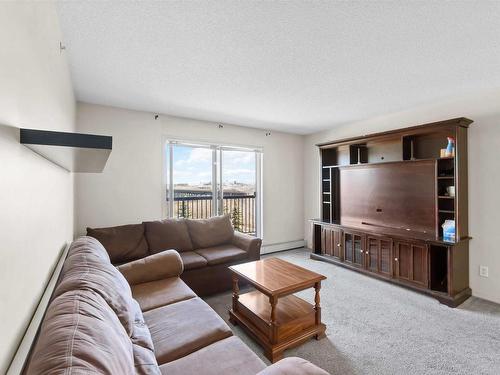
(268, 134)
(221, 126)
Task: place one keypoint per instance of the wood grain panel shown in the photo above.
(394, 195)
(385, 257)
(337, 243)
(326, 241)
(348, 247)
(276, 276)
(373, 253)
(403, 260)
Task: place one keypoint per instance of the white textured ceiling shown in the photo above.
(295, 66)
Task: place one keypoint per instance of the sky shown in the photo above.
(193, 166)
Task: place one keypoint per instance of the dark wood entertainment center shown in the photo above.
(383, 200)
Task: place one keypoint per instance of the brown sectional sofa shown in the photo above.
(207, 247)
(138, 318)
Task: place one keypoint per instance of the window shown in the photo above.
(204, 180)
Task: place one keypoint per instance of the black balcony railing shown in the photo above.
(240, 207)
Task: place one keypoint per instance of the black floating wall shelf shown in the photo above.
(75, 152)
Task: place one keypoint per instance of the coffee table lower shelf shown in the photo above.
(295, 322)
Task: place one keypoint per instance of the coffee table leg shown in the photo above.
(236, 290)
(273, 301)
(317, 307)
(271, 354)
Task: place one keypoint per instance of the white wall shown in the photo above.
(36, 197)
(484, 173)
(130, 188)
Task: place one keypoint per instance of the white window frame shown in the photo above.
(167, 172)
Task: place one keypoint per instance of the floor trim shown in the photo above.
(273, 248)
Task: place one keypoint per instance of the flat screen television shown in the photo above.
(398, 196)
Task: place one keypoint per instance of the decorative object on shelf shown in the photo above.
(442, 153)
(449, 230)
(451, 191)
(450, 149)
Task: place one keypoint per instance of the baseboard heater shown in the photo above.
(23, 350)
(281, 246)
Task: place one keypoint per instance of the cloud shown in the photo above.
(195, 159)
(194, 165)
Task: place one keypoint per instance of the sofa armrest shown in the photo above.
(248, 243)
(293, 366)
(159, 266)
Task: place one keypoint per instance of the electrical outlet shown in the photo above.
(483, 271)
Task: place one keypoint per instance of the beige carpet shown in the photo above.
(374, 327)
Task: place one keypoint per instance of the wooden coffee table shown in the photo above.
(271, 314)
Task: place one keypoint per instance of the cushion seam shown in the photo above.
(71, 342)
(171, 303)
(77, 309)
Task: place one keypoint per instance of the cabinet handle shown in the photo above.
(367, 252)
(396, 259)
(338, 245)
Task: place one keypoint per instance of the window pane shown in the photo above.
(192, 181)
(238, 188)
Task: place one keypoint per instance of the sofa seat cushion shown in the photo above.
(228, 356)
(222, 254)
(215, 231)
(123, 243)
(81, 334)
(184, 327)
(292, 366)
(161, 293)
(167, 234)
(142, 345)
(192, 260)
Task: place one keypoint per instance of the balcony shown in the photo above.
(240, 207)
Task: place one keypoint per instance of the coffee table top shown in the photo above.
(274, 276)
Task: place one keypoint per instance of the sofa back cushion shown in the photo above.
(167, 234)
(123, 243)
(217, 230)
(81, 334)
(85, 268)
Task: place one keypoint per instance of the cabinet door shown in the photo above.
(358, 252)
(372, 252)
(348, 247)
(326, 241)
(402, 260)
(331, 241)
(410, 263)
(385, 257)
(379, 255)
(354, 248)
(420, 259)
(337, 243)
